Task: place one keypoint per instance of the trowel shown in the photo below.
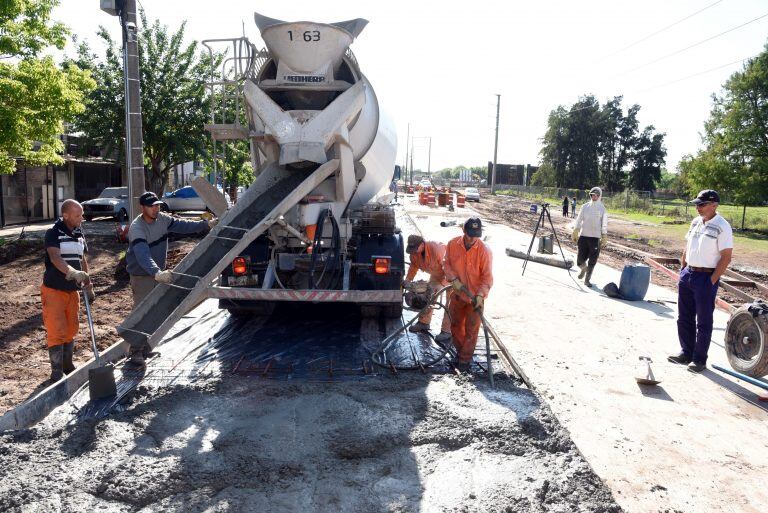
(648, 378)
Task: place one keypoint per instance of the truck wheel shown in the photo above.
(746, 338)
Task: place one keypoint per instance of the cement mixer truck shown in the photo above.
(315, 225)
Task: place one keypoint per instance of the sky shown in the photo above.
(438, 66)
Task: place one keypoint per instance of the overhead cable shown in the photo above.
(691, 46)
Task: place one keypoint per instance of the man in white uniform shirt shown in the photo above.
(706, 256)
(590, 234)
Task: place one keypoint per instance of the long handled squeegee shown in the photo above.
(101, 379)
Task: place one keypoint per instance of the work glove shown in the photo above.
(478, 302)
(163, 277)
(575, 235)
(78, 277)
(90, 294)
(457, 285)
(213, 222)
(603, 241)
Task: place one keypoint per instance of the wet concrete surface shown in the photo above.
(194, 436)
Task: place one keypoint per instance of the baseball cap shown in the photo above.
(706, 196)
(596, 190)
(473, 227)
(149, 199)
(414, 241)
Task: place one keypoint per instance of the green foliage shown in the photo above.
(26, 28)
(588, 144)
(735, 157)
(36, 96)
(174, 101)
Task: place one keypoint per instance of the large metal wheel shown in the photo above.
(746, 337)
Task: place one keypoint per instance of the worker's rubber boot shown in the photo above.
(589, 276)
(583, 268)
(444, 336)
(463, 366)
(68, 351)
(56, 355)
(419, 327)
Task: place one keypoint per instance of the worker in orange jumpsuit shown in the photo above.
(428, 257)
(468, 267)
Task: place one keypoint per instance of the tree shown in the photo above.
(588, 144)
(735, 157)
(174, 101)
(36, 96)
(648, 159)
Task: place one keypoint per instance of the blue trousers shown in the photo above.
(695, 306)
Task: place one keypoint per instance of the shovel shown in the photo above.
(649, 378)
(101, 379)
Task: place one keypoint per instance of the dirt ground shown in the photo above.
(24, 366)
(515, 212)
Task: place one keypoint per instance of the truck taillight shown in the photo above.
(381, 264)
(239, 266)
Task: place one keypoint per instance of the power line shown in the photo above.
(694, 75)
(691, 46)
(646, 38)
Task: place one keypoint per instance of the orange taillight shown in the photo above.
(381, 264)
(239, 266)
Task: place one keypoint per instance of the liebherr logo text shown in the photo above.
(303, 78)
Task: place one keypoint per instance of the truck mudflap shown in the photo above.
(313, 296)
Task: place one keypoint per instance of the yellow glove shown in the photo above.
(78, 277)
(457, 285)
(478, 302)
(603, 241)
(90, 293)
(163, 277)
(575, 235)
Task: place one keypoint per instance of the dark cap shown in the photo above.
(473, 227)
(414, 241)
(149, 199)
(706, 196)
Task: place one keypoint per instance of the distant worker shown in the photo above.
(573, 206)
(590, 233)
(428, 257)
(66, 271)
(566, 201)
(468, 267)
(148, 249)
(708, 251)
(393, 188)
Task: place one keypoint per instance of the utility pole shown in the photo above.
(134, 140)
(407, 147)
(429, 159)
(495, 146)
(411, 162)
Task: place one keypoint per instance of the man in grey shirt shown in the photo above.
(148, 248)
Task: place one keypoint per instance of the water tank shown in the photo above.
(635, 280)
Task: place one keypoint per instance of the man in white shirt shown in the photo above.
(590, 233)
(707, 253)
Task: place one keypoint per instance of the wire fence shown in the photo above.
(669, 208)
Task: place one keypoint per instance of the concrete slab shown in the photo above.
(694, 443)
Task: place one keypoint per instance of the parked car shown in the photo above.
(112, 202)
(425, 184)
(472, 194)
(185, 199)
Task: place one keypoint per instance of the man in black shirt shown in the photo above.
(65, 272)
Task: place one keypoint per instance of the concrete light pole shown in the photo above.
(134, 140)
(495, 146)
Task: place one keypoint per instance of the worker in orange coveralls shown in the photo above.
(468, 267)
(428, 257)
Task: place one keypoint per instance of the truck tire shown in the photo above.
(750, 357)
